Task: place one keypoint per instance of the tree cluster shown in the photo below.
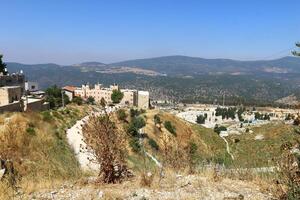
(259, 116)
(226, 112)
(239, 113)
(137, 122)
(201, 119)
(218, 128)
(54, 97)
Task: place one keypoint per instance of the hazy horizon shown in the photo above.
(69, 64)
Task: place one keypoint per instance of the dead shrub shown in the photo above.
(146, 179)
(107, 144)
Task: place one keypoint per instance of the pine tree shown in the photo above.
(2, 66)
(296, 53)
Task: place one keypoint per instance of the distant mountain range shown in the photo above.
(184, 65)
(181, 78)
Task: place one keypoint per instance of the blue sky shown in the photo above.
(74, 31)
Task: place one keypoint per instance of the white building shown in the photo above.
(31, 86)
(136, 98)
(143, 99)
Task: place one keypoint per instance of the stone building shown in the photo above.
(98, 92)
(143, 99)
(69, 91)
(13, 97)
(10, 94)
(15, 79)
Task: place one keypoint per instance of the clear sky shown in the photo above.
(74, 31)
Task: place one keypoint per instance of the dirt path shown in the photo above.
(227, 147)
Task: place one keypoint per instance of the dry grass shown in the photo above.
(38, 148)
(250, 153)
(6, 192)
(30, 187)
(174, 150)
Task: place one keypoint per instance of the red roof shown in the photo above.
(69, 88)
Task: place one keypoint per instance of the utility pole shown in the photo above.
(62, 98)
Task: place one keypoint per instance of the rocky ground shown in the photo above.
(177, 187)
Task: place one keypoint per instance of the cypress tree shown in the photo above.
(2, 66)
(296, 53)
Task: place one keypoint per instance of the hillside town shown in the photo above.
(150, 100)
(18, 94)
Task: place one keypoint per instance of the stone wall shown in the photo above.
(37, 106)
(13, 107)
(9, 94)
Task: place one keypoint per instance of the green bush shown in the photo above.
(201, 119)
(135, 145)
(193, 148)
(218, 129)
(153, 144)
(47, 116)
(168, 125)
(138, 122)
(157, 119)
(117, 96)
(134, 113)
(121, 114)
(77, 100)
(132, 130)
(30, 131)
(57, 115)
(90, 100)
